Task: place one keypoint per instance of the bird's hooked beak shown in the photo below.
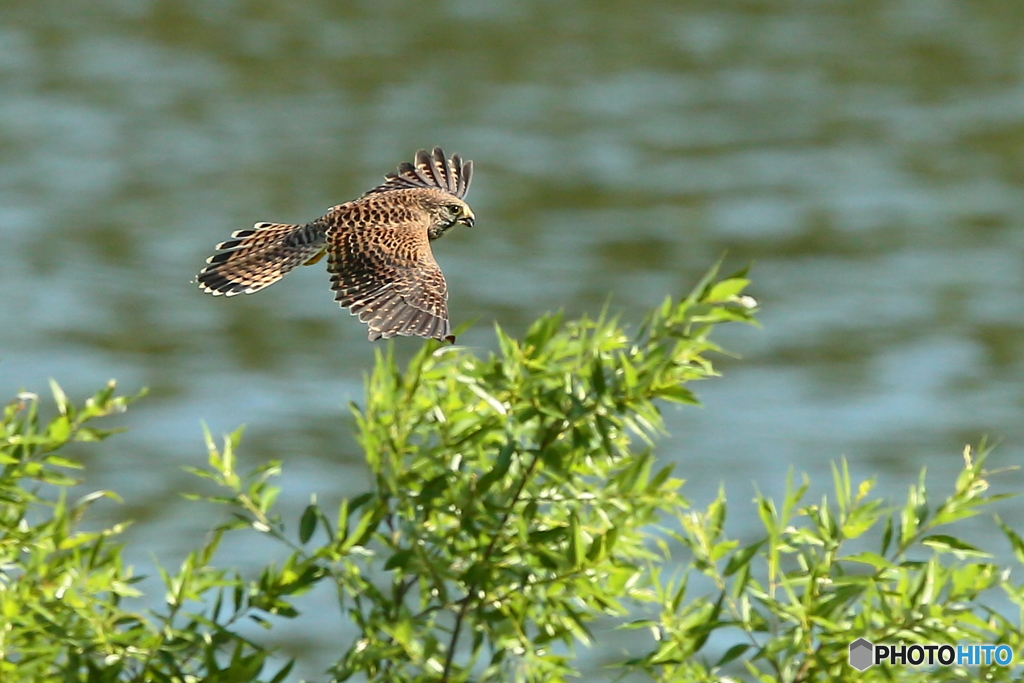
(467, 218)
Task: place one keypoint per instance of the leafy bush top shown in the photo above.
(514, 500)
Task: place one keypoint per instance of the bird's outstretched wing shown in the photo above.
(431, 171)
(393, 284)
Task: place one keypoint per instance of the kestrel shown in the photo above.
(377, 246)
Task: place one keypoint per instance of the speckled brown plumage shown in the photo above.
(377, 246)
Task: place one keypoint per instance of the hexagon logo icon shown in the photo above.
(862, 654)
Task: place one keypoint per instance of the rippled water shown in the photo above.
(867, 158)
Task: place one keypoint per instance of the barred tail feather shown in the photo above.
(258, 257)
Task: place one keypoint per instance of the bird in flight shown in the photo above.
(377, 247)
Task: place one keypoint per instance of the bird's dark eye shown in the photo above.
(454, 209)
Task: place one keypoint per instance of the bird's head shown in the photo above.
(445, 210)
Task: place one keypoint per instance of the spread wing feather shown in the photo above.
(431, 170)
(393, 294)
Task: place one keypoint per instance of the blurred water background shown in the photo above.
(866, 156)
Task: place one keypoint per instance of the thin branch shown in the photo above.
(464, 609)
